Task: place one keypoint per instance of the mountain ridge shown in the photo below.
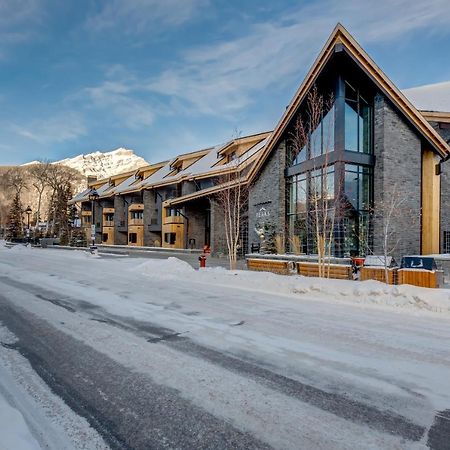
(102, 164)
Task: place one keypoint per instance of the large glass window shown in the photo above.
(355, 232)
(319, 142)
(358, 120)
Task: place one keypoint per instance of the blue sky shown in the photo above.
(168, 76)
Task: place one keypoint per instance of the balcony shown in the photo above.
(173, 220)
(135, 222)
(108, 223)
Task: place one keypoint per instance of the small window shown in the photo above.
(132, 238)
(109, 217)
(446, 248)
(104, 237)
(137, 214)
(173, 212)
(170, 238)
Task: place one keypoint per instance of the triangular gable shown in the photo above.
(341, 36)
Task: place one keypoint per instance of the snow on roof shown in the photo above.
(81, 195)
(430, 97)
(206, 163)
(159, 175)
(126, 184)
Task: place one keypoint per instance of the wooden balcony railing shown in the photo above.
(136, 222)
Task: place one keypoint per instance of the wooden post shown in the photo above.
(430, 203)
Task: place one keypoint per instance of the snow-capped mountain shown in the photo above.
(103, 164)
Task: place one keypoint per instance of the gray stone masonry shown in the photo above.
(398, 167)
(267, 196)
(120, 215)
(196, 214)
(98, 221)
(445, 201)
(218, 239)
(152, 214)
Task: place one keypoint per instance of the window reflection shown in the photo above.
(358, 118)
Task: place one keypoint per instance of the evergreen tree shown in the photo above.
(15, 223)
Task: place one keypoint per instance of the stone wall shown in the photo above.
(152, 214)
(267, 196)
(398, 167)
(218, 238)
(445, 201)
(120, 215)
(196, 213)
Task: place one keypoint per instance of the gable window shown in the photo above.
(358, 114)
(320, 141)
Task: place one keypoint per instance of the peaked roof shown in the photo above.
(341, 36)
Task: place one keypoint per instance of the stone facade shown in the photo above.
(152, 218)
(218, 238)
(267, 196)
(120, 221)
(398, 151)
(196, 213)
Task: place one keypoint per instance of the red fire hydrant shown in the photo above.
(202, 259)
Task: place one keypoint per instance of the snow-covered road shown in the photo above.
(156, 355)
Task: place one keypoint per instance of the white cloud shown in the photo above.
(65, 126)
(225, 78)
(136, 16)
(117, 97)
(17, 21)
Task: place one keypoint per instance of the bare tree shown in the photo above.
(232, 198)
(40, 181)
(59, 179)
(386, 211)
(313, 132)
(16, 180)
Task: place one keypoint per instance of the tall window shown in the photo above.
(358, 113)
(354, 233)
(319, 141)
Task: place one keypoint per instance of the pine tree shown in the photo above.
(15, 223)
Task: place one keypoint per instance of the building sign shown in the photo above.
(92, 231)
(262, 212)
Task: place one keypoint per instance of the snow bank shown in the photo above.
(14, 432)
(165, 268)
(363, 292)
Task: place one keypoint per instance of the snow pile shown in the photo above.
(362, 292)
(165, 268)
(14, 432)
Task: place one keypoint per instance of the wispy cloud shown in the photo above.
(66, 126)
(17, 21)
(136, 16)
(226, 77)
(119, 95)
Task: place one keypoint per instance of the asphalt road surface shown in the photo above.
(142, 385)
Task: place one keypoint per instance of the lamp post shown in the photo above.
(28, 212)
(93, 196)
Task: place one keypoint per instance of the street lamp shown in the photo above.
(93, 196)
(28, 212)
